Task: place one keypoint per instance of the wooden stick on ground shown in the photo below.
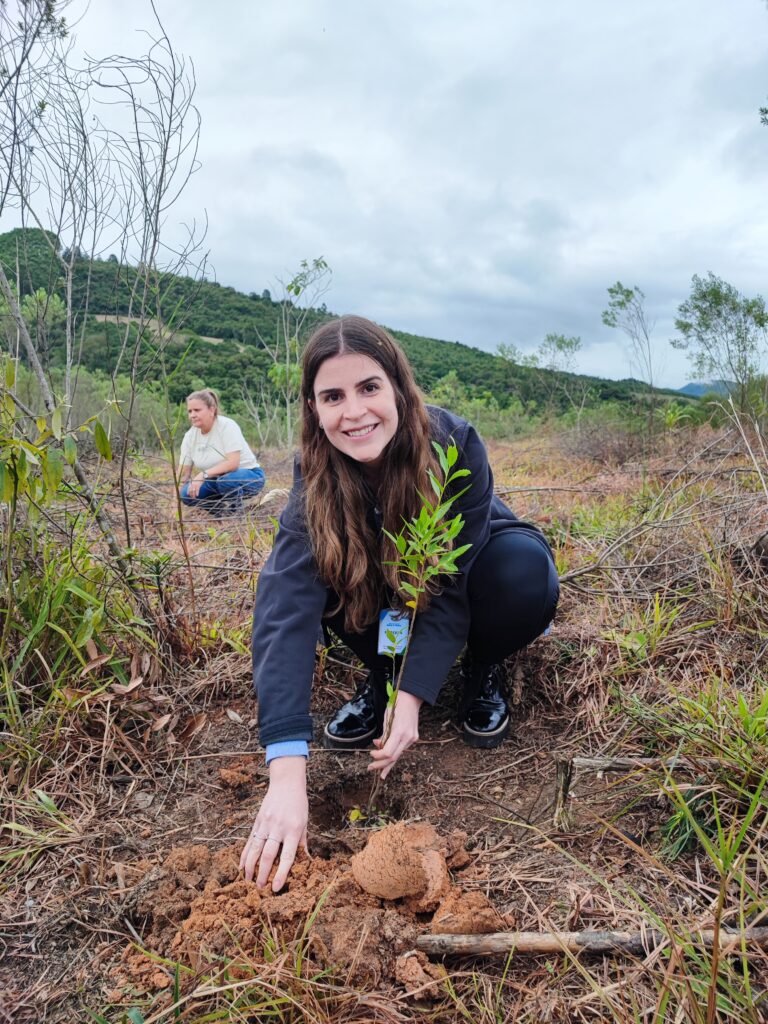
(637, 944)
(621, 764)
(561, 817)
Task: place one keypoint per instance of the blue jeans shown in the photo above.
(225, 493)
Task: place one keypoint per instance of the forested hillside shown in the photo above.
(218, 335)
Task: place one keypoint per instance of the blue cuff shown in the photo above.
(287, 748)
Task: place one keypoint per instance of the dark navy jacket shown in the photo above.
(291, 598)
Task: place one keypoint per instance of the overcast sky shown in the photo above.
(477, 172)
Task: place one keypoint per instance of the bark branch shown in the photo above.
(50, 403)
(637, 944)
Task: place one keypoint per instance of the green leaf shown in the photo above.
(56, 422)
(452, 455)
(70, 449)
(135, 1016)
(10, 373)
(103, 446)
(441, 458)
(53, 470)
(85, 630)
(28, 453)
(45, 802)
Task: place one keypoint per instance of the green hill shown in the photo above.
(219, 334)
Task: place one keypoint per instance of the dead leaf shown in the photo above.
(120, 875)
(92, 649)
(71, 694)
(95, 663)
(122, 691)
(234, 717)
(160, 723)
(193, 726)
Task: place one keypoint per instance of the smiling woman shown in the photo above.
(366, 459)
(356, 407)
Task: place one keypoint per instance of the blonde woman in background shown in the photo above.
(218, 468)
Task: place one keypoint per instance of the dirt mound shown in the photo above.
(405, 860)
(360, 918)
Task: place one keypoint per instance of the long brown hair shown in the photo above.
(351, 554)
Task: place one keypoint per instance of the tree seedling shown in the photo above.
(426, 551)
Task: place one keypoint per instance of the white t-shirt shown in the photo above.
(205, 450)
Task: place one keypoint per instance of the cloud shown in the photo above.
(480, 173)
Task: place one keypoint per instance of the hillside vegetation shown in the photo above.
(219, 337)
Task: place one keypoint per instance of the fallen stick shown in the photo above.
(637, 944)
(622, 764)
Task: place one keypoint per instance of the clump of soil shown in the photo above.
(240, 773)
(367, 914)
(405, 861)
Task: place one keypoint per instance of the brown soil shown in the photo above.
(365, 913)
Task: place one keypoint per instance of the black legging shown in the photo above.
(513, 591)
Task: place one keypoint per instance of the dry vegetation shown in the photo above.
(631, 796)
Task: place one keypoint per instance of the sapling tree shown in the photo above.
(626, 312)
(426, 551)
(95, 154)
(724, 333)
(557, 356)
(300, 301)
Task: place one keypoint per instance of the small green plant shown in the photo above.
(674, 415)
(654, 627)
(39, 826)
(680, 835)
(425, 548)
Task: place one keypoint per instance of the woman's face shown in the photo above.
(355, 403)
(200, 415)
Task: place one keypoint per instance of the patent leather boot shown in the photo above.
(485, 715)
(361, 719)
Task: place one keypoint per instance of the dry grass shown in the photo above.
(659, 655)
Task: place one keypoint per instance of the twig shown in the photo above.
(637, 944)
(627, 764)
(561, 815)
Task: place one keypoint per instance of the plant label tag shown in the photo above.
(393, 631)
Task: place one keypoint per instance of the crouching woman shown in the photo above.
(366, 454)
(218, 468)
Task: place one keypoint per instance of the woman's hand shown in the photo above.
(404, 733)
(194, 485)
(280, 825)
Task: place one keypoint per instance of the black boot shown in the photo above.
(485, 714)
(361, 719)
